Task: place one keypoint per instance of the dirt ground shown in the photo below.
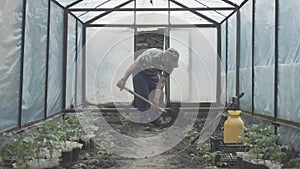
(174, 158)
(167, 160)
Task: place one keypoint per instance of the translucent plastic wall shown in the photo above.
(264, 57)
(223, 65)
(79, 70)
(231, 58)
(55, 72)
(195, 78)
(31, 62)
(109, 54)
(289, 61)
(10, 52)
(71, 62)
(257, 63)
(288, 70)
(245, 71)
(34, 70)
(74, 63)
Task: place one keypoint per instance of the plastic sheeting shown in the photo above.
(289, 136)
(146, 3)
(66, 2)
(54, 99)
(104, 66)
(79, 65)
(71, 62)
(195, 78)
(34, 71)
(231, 60)
(120, 17)
(97, 3)
(10, 52)
(264, 57)
(223, 64)
(152, 17)
(185, 17)
(245, 71)
(156, 4)
(109, 54)
(204, 3)
(86, 16)
(216, 15)
(237, 2)
(289, 61)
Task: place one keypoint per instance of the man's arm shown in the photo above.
(159, 87)
(122, 82)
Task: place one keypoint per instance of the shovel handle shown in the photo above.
(144, 99)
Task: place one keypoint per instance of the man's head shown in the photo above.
(172, 56)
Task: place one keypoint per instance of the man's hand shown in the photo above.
(121, 84)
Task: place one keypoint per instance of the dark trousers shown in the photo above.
(145, 86)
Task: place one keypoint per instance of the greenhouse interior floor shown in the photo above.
(179, 156)
(95, 137)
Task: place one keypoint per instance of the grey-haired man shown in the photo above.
(150, 71)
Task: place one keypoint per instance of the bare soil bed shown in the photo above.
(171, 159)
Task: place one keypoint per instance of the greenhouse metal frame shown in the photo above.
(239, 63)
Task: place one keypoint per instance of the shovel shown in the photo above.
(146, 100)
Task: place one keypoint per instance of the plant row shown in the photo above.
(260, 148)
(45, 145)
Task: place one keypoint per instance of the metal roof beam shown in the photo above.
(233, 4)
(149, 9)
(94, 8)
(108, 12)
(215, 10)
(227, 17)
(230, 3)
(195, 12)
(153, 25)
(73, 3)
(242, 4)
(58, 4)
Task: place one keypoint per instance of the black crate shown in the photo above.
(227, 150)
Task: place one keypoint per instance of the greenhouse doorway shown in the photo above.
(146, 38)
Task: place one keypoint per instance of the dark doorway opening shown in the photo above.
(145, 39)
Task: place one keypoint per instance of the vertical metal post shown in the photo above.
(134, 29)
(84, 64)
(238, 50)
(76, 63)
(219, 60)
(166, 46)
(22, 64)
(65, 53)
(226, 61)
(169, 13)
(276, 65)
(135, 35)
(47, 60)
(253, 50)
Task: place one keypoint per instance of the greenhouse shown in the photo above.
(149, 84)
